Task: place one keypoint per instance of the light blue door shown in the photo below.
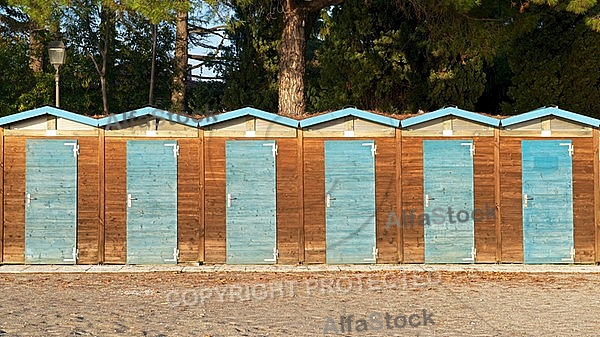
(151, 201)
(51, 202)
(448, 201)
(547, 201)
(251, 232)
(350, 201)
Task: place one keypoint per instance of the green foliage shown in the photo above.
(16, 78)
(556, 63)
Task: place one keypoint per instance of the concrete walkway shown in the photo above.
(508, 268)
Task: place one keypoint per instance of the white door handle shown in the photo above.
(427, 198)
(229, 200)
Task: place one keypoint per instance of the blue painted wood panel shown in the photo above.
(548, 210)
(448, 186)
(50, 201)
(350, 202)
(251, 233)
(152, 201)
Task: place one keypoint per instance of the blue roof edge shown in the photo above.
(148, 111)
(385, 120)
(48, 110)
(550, 111)
(451, 111)
(248, 111)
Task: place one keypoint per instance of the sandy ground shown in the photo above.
(379, 303)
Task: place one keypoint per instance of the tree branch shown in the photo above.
(317, 5)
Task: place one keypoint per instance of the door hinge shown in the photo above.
(572, 258)
(74, 254)
(175, 256)
(373, 148)
(473, 255)
(75, 148)
(471, 148)
(274, 148)
(374, 253)
(275, 255)
(175, 149)
(571, 148)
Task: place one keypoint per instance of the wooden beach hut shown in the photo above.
(448, 187)
(350, 187)
(549, 187)
(152, 181)
(50, 208)
(252, 197)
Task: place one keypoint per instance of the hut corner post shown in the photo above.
(201, 250)
(101, 191)
(399, 236)
(301, 242)
(596, 194)
(2, 196)
(498, 195)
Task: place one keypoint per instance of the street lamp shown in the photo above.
(57, 53)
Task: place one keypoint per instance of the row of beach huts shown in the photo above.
(344, 187)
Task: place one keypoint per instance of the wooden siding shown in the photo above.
(88, 200)
(14, 200)
(288, 209)
(412, 197)
(2, 195)
(484, 184)
(583, 195)
(115, 191)
(214, 200)
(288, 203)
(189, 204)
(14, 206)
(583, 200)
(385, 200)
(314, 200)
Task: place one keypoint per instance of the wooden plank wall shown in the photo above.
(189, 205)
(289, 227)
(314, 200)
(88, 200)
(214, 200)
(385, 200)
(288, 209)
(484, 195)
(115, 192)
(511, 204)
(14, 200)
(14, 205)
(412, 198)
(1, 195)
(583, 199)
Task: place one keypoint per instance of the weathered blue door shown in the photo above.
(152, 201)
(547, 201)
(251, 232)
(51, 201)
(448, 201)
(350, 201)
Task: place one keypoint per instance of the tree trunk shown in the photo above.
(107, 25)
(292, 63)
(178, 96)
(36, 48)
(153, 67)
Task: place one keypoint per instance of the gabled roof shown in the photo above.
(369, 116)
(226, 116)
(550, 111)
(48, 110)
(149, 111)
(450, 111)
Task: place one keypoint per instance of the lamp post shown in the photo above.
(57, 53)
